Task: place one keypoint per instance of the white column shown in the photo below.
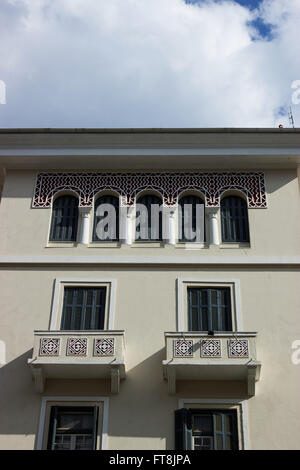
(170, 220)
(84, 228)
(213, 225)
(129, 225)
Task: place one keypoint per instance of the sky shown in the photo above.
(149, 63)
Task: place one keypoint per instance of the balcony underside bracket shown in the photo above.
(39, 378)
(115, 380)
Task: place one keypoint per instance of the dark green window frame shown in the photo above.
(209, 309)
(193, 200)
(56, 433)
(234, 220)
(64, 220)
(114, 201)
(148, 200)
(222, 435)
(84, 308)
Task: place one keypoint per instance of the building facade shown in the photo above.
(117, 336)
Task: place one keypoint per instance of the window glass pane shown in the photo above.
(202, 424)
(228, 442)
(73, 428)
(219, 442)
(64, 219)
(209, 309)
(218, 423)
(151, 218)
(80, 309)
(106, 219)
(217, 427)
(203, 443)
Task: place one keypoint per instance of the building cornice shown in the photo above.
(148, 260)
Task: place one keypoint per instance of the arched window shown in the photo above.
(191, 219)
(106, 219)
(234, 219)
(149, 218)
(64, 219)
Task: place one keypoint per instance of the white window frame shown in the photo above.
(61, 283)
(184, 283)
(215, 403)
(42, 421)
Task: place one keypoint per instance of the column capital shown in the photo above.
(212, 211)
(84, 211)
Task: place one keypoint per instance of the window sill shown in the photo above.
(233, 245)
(61, 245)
(191, 245)
(107, 244)
(145, 244)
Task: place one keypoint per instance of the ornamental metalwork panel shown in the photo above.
(104, 347)
(49, 346)
(170, 185)
(77, 347)
(238, 348)
(183, 348)
(210, 348)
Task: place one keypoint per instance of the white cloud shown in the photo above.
(146, 63)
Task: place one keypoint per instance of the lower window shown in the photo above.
(73, 428)
(206, 429)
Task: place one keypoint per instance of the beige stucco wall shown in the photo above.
(142, 415)
(273, 231)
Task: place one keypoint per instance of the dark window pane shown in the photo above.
(149, 218)
(72, 428)
(187, 220)
(209, 309)
(106, 219)
(83, 308)
(64, 219)
(234, 219)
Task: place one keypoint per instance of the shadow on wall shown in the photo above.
(142, 410)
(19, 404)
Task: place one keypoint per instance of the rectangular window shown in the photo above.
(83, 308)
(209, 309)
(206, 429)
(73, 428)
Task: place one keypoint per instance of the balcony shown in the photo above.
(78, 355)
(220, 356)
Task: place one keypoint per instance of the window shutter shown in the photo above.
(234, 219)
(64, 221)
(52, 428)
(95, 426)
(183, 429)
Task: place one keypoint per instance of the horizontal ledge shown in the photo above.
(212, 362)
(101, 361)
(79, 333)
(205, 334)
(151, 260)
(187, 150)
(138, 130)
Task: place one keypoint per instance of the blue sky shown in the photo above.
(264, 29)
(149, 63)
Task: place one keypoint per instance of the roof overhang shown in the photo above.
(134, 149)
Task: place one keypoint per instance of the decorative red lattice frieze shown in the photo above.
(169, 185)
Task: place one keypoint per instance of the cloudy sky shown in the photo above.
(149, 63)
